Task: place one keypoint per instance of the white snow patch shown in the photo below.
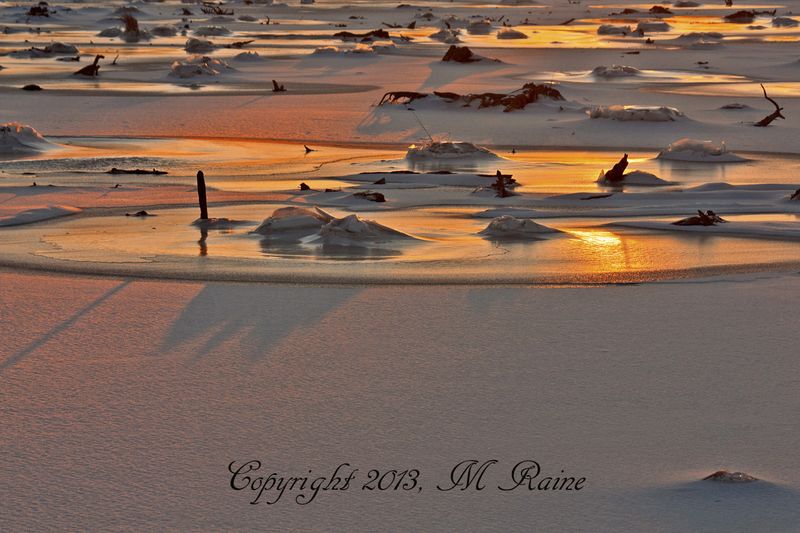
(636, 113)
(510, 227)
(699, 151)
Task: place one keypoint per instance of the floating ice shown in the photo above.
(354, 231)
(291, 222)
(510, 33)
(198, 66)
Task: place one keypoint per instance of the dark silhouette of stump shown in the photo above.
(764, 122)
(617, 172)
(91, 70)
(201, 195)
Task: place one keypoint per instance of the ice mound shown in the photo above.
(511, 227)
(636, 113)
(354, 231)
(164, 31)
(198, 46)
(510, 33)
(36, 214)
(784, 22)
(360, 48)
(686, 3)
(289, 222)
(610, 29)
(17, 138)
(198, 66)
(479, 27)
(699, 151)
(635, 177)
(212, 31)
(723, 476)
(615, 71)
(248, 56)
(52, 49)
(449, 150)
(447, 36)
(652, 26)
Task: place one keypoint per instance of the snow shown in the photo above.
(627, 113)
(699, 151)
(198, 46)
(141, 377)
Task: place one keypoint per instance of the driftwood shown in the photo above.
(91, 70)
(137, 171)
(304, 187)
(39, 10)
(238, 45)
(460, 54)
(502, 184)
(32, 87)
(277, 88)
(371, 196)
(308, 150)
(139, 214)
(407, 97)
(513, 101)
(660, 10)
(766, 121)
(350, 36)
(796, 195)
(709, 218)
(214, 9)
(746, 16)
(617, 172)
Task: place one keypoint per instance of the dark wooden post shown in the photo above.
(201, 195)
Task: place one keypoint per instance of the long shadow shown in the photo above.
(257, 317)
(47, 337)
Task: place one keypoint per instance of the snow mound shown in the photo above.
(449, 150)
(16, 138)
(686, 3)
(610, 29)
(511, 227)
(198, 46)
(354, 231)
(164, 31)
(699, 151)
(212, 31)
(447, 36)
(510, 33)
(248, 56)
(36, 214)
(784, 22)
(360, 48)
(615, 71)
(198, 66)
(636, 113)
(293, 221)
(636, 177)
(652, 26)
(479, 27)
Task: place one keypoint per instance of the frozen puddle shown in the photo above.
(446, 248)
